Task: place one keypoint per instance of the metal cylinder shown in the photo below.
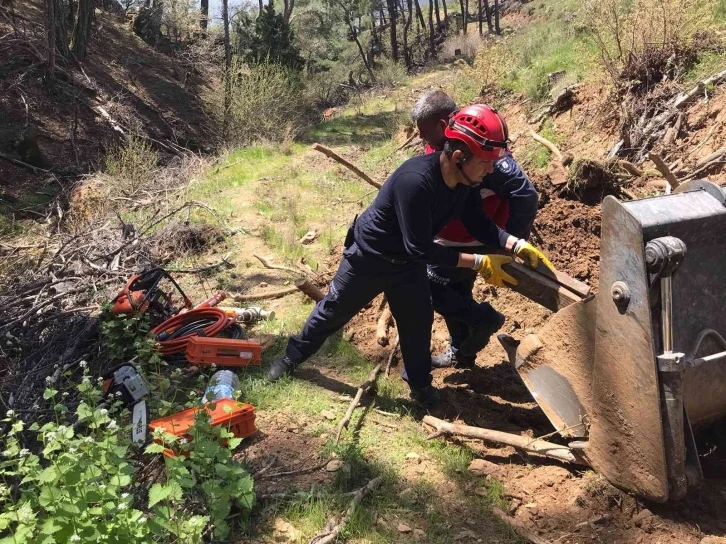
(666, 313)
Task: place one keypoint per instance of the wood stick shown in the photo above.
(309, 289)
(404, 144)
(710, 158)
(353, 403)
(663, 169)
(326, 536)
(337, 158)
(384, 322)
(549, 145)
(519, 528)
(392, 355)
(544, 290)
(22, 164)
(268, 264)
(269, 294)
(540, 447)
(630, 168)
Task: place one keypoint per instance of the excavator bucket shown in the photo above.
(630, 374)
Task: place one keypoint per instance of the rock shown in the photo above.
(283, 531)
(309, 238)
(408, 495)
(324, 436)
(480, 467)
(642, 517)
(414, 457)
(293, 428)
(403, 528)
(334, 465)
(328, 414)
(481, 491)
(419, 535)
(263, 284)
(531, 505)
(466, 536)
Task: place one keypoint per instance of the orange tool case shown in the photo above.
(237, 417)
(203, 350)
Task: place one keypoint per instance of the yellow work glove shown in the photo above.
(490, 268)
(531, 255)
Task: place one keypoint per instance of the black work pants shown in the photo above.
(453, 299)
(359, 279)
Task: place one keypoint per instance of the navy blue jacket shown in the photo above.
(510, 183)
(412, 207)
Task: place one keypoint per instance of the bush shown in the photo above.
(643, 41)
(389, 73)
(266, 105)
(132, 164)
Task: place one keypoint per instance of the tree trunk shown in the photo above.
(481, 21)
(360, 48)
(59, 22)
(289, 5)
(71, 14)
(205, 15)
(438, 16)
(406, 26)
(50, 34)
(446, 14)
(82, 29)
(463, 15)
(261, 7)
(488, 13)
(373, 22)
(419, 14)
(392, 12)
(227, 67)
(496, 17)
(432, 33)
(383, 16)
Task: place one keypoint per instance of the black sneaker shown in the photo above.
(479, 337)
(428, 396)
(281, 367)
(448, 359)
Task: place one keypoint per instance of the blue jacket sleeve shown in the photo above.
(510, 183)
(479, 224)
(413, 202)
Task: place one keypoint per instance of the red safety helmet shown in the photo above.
(482, 129)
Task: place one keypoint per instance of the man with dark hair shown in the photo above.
(388, 246)
(509, 199)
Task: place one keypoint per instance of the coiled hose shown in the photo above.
(172, 334)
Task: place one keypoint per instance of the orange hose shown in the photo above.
(179, 345)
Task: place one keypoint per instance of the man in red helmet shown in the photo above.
(388, 246)
(508, 198)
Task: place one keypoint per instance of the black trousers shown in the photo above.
(451, 293)
(359, 279)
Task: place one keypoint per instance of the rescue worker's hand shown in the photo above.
(531, 255)
(490, 268)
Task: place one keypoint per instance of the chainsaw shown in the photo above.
(126, 383)
(144, 294)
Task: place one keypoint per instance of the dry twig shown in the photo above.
(353, 403)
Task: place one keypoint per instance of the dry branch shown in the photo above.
(711, 158)
(268, 264)
(549, 145)
(663, 169)
(519, 528)
(22, 164)
(270, 294)
(540, 447)
(384, 321)
(309, 289)
(391, 356)
(353, 403)
(337, 158)
(331, 532)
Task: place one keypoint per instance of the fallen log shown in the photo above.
(350, 166)
(353, 403)
(309, 289)
(540, 447)
(331, 532)
(711, 158)
(519, 528)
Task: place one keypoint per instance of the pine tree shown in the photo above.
(272, 41)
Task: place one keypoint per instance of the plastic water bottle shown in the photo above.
(222, 385)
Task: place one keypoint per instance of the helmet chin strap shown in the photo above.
(467, 178)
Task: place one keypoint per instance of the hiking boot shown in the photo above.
(282, 367)
(427, 396)
(449, 359)
(479, 337)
